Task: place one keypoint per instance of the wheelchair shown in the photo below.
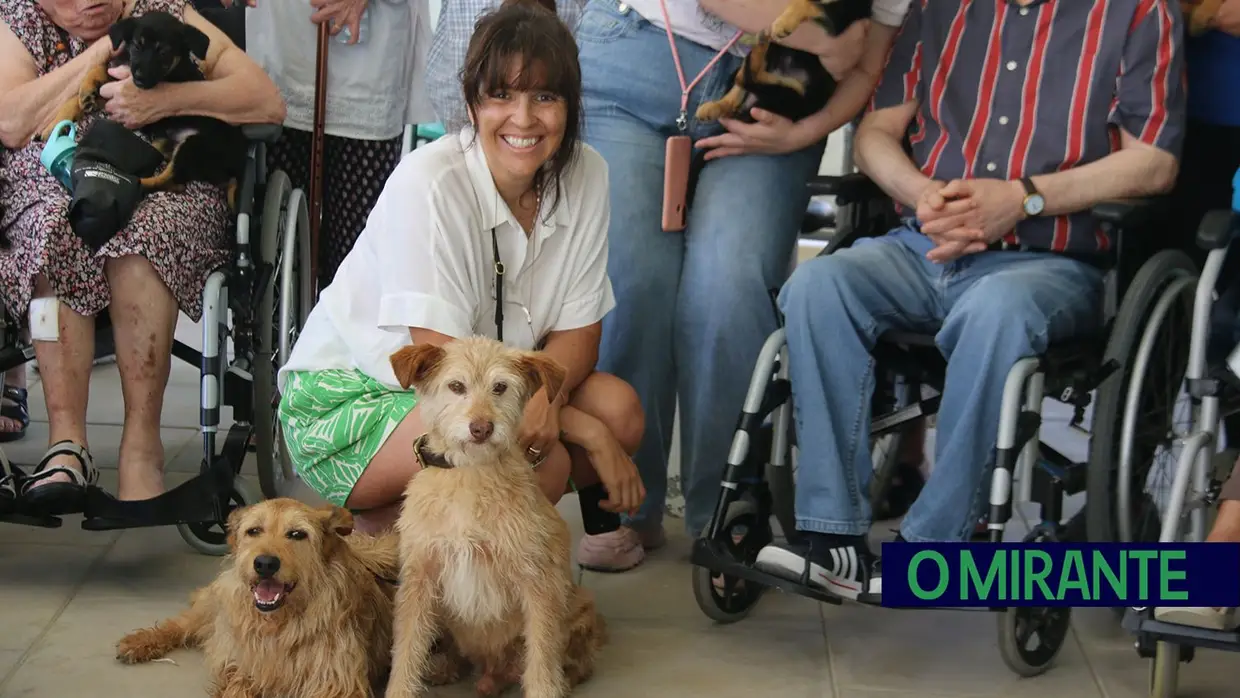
(1197, 473)
(759, 476)
(257, 302)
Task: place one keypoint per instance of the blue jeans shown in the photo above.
(693, 307)
(989, 309)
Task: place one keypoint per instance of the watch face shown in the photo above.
(1034, 204)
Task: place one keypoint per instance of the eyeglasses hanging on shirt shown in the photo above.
(497, 295)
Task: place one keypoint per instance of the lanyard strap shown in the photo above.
(682, 120)
(499, 288)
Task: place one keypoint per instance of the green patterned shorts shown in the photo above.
(335, 421)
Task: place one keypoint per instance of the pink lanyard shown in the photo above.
(682, 121)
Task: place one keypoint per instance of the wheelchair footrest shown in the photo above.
(1144, 623)
(35, 521)
(197, 500)
(714, 556)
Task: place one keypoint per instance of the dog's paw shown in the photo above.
(712, 111)
(138, 647)
(783, 27)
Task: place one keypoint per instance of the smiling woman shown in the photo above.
(499, 230)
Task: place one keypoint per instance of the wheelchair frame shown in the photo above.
(200, 506)
(1196, 484)
(752, 490)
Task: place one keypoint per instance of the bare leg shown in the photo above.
(144, 315)
(65, 369)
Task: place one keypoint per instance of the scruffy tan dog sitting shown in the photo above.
(478, 539)
(302, 608)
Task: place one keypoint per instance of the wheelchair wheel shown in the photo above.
(1165, 670)
(282, 312)
(1119, 508)
(212, 538)
(1030, 637)
(748, 534)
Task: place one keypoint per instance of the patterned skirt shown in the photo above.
(354, 174)
(334, 422)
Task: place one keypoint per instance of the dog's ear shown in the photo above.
(233, 523)
(122, 32)
(413, 365)
(196, 41)
(338, 520)
(542, 371)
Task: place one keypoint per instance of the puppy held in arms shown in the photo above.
(784, 81)
(159, 48)
(303, 607)
(484, 554)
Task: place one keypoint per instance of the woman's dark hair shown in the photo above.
(529, 33)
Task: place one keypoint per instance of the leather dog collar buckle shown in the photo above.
(426, 457)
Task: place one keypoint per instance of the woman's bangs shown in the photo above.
(524, 69)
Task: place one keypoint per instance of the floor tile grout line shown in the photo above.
(90, 569)
(1089, 664)
(826, 643)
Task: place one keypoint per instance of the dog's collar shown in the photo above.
(426, 457)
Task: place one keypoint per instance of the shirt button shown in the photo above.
(991, 167)
(1003, 120)
(1024, 11)
(1011, 65)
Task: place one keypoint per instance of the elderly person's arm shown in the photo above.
(236, 91)
(28, 102)
(1149, 114)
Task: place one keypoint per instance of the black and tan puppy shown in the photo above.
(783, 80)
(159, 48)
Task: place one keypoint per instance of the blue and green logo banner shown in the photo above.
(945, 575)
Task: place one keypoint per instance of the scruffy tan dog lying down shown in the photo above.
(484, 554)
(302, 608)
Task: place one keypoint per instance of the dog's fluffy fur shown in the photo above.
(484, 555)
(319, 627)
(782, 80)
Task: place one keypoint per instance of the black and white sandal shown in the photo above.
(60, 498)
(8, 485)
(17, 410)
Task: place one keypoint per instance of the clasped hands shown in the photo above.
(964, 216)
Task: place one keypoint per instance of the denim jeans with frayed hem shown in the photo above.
(693, 307)
(989, 310)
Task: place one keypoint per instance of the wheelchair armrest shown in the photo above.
(1130, 213)
(847, 189)
(1217, 229)
(263, 133)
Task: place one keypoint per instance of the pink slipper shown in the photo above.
(618, 551)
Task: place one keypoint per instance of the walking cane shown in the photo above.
(316, 154)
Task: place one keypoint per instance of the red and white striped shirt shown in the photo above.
(1008, 91)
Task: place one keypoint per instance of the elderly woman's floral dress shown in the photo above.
(182, 234)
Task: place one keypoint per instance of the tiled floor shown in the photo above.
(66, 596)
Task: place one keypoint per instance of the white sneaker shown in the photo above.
(1199, 617)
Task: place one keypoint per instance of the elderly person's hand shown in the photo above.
(771, 134)
(1227, 19)
(129, 106)
(340, 14)
(966, 215)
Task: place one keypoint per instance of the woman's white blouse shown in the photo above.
(425, 260)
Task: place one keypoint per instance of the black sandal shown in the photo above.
(60, 498)
(8, 486)
(19, 412)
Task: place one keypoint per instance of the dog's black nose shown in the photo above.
(481, 430)
(266, 565)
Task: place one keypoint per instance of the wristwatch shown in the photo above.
(1034, 202)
